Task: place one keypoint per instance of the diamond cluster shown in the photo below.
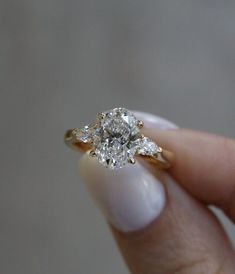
(116, 138)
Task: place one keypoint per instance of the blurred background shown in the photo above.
(63, 61)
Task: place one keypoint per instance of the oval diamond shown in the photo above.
(118, 128)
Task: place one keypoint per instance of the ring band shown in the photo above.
(115, 139)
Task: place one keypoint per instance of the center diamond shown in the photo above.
(118, 128)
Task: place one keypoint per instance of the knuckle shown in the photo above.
(202, 266)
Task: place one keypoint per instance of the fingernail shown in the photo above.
(130, 198)
(154, 121)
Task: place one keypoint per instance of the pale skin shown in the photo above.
(187, 238)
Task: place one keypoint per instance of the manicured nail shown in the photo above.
(153, 121)
(130, 198)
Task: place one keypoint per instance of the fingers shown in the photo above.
(204, 165)
(185, 239)
(158, 226)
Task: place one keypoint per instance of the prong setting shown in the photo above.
(92, 153)
(132, 161)
(140, 124)
(100, 116)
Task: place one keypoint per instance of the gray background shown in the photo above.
(63, 61)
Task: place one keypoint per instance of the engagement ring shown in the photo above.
(115, 138)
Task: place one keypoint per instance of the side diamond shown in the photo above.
(146, 146)
(85, 134)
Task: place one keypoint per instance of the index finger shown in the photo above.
(204, 164)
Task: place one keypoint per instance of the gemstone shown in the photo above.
(146, 146)
(118, 128)
(85, 134)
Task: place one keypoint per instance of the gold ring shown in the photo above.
(115, 138)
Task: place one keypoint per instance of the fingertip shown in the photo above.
(130, 198)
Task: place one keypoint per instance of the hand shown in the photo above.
(161, 220)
